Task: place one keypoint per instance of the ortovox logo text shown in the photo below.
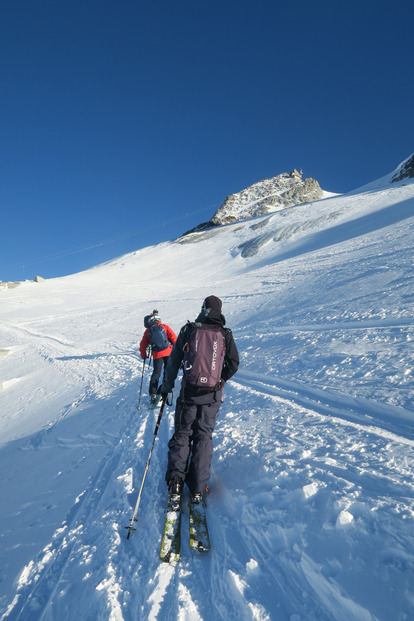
(213, 363)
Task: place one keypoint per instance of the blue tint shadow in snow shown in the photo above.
(348, 230)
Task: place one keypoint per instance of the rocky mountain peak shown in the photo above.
(405, 170)
(266, 196)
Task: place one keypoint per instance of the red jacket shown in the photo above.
(157, 354)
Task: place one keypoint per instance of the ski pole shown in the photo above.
(134, 516)
(140, 388)
(142, 377)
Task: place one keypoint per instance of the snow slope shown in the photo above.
(312, 505)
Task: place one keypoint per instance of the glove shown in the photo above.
(167, 396)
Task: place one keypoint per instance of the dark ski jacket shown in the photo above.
(231, 359)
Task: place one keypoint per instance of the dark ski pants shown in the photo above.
(191, 448)
(157, 364)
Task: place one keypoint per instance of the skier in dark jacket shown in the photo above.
(191, 446)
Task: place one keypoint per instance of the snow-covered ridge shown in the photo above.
(285, 191)
(405, 170)
(16, 283)
(266, 196)
(403, 174)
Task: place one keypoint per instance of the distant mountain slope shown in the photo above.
(283, 191)
(266, 196)
(405, 170)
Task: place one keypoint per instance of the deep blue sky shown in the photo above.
(125, 123)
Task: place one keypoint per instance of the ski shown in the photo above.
(199, 537)
(171, 538)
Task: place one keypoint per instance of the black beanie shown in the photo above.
(213, 303)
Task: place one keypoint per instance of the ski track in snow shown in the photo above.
(78, 543)
(363, 411)
(252, 525)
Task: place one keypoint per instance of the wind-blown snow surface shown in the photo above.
(312, 506)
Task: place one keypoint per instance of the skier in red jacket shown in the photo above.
(161, 339)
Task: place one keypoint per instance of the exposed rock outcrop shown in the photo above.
(264, 197)
(405, 170)
(16, 283)
(9, 285)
